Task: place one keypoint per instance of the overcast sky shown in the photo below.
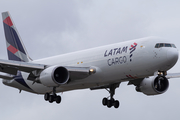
(52, 27)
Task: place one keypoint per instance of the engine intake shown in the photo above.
(54, 76)
(161, 84)
(61, 75)
(153, 85)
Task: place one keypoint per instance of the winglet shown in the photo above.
(15, 47)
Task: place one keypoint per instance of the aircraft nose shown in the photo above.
(172, 56)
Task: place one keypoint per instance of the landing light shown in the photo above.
(92, 70)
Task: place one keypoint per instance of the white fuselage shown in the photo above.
(114, 63)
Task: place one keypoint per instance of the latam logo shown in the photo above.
(132, 49)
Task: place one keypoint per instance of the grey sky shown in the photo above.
(55, 27)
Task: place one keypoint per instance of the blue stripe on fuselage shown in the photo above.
(12, 38)
(20, 80)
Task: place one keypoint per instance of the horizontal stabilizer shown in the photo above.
(6, 76)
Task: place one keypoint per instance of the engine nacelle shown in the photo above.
(54, 76)
(153, 85)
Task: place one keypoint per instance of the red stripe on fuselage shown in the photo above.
(8, 21)
(12, 49)
(131, 76)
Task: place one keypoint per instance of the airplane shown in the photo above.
(141, 62)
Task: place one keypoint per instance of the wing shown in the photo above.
(34, 70)
(11, 67)
(6, 76)
(173, 75)
(137, 82)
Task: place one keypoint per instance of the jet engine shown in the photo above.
(153, 85)
(54, 76)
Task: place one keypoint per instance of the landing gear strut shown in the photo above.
(53, 97)
(111, 101)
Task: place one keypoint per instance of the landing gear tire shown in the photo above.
(109, 103)
(51, 98)
(104, 101)
(116, 104)
(58, 99)
(46, 97)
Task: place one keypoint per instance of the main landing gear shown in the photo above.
(111, 101)
(53, 97)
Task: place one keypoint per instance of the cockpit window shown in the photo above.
(167, 45)
(173, 45)
(161, 45)
(158, 45)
